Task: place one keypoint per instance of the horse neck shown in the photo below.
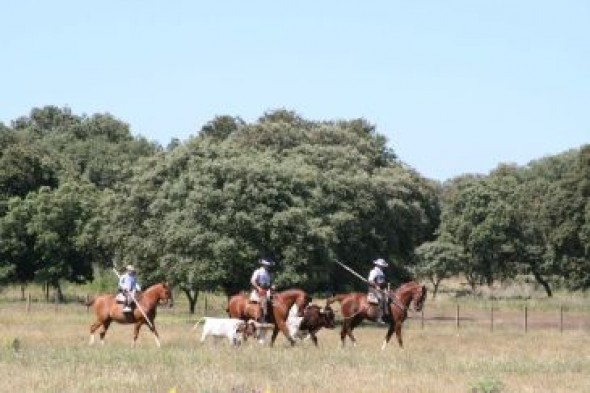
(405, 293)
(289, 297)
(150, 296)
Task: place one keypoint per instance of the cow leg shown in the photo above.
(313, 337)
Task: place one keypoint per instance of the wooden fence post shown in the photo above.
(457, 317)
(205, 305)
(526, 321)
(87, 302)
(29, 302)
(56, 301)
(422, 319)
(492, 317)
(561, 318)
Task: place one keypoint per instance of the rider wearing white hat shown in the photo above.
(128, 286)
(377, 285)
(261, 285)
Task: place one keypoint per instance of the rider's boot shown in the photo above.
(127, 306)
(380, 314)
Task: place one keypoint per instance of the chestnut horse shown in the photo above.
(108, 310)
(239, 306)
(355, 308)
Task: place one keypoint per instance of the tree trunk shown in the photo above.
(192, 295)
(58, 292)
(435, 284)
(542, 281)
(22, 292)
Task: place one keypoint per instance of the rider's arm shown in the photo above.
(123, 283)
(253, 281)
(371, 279)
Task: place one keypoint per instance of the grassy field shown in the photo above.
(54, 356)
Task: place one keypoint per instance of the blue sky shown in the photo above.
(456, 86)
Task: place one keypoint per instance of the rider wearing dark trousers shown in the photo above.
(261, 286)
(377, 286)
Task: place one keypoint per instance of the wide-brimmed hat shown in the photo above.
(380, 262)
(266, 262)
(130, 268)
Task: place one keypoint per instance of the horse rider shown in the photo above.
(128, 286)
(261, 288)
(377, 286)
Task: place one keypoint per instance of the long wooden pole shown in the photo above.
(136, 303)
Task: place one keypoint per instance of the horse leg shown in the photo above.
(388, 335)
(156, 335)
(103, 331)
(93, 328)
(353, 323)
(343, 333)
(136, 331)
(398, 333)
(283, 328)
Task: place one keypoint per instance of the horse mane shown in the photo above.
(147, 288)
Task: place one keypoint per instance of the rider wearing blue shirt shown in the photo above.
(261, 285)
(128, 286)
(377, 286)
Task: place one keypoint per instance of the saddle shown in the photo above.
(372, 298)
(120, 299)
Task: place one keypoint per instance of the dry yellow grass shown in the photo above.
(54, 356)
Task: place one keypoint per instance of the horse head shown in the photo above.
(419, 297)
(303, 300)
(165, 294)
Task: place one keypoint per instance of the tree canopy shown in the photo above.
(79, 192)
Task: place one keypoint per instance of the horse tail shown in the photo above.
(197, 324)
(336, 298)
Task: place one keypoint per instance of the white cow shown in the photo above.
(235, 330)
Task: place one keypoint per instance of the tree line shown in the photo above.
(79, 193)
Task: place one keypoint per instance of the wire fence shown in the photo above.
(491, 316)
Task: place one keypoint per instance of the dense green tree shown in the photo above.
(47, 236)
(439, 260)
(303, 193)
(25, 168)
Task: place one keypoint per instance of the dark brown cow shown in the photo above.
(315, 318)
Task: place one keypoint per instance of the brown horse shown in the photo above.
(355, 308)
(108, 310)
(239, 306)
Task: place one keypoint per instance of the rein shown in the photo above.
(395, 301)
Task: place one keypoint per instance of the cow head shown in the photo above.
(327, 317)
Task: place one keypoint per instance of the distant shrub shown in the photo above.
(486, 385)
